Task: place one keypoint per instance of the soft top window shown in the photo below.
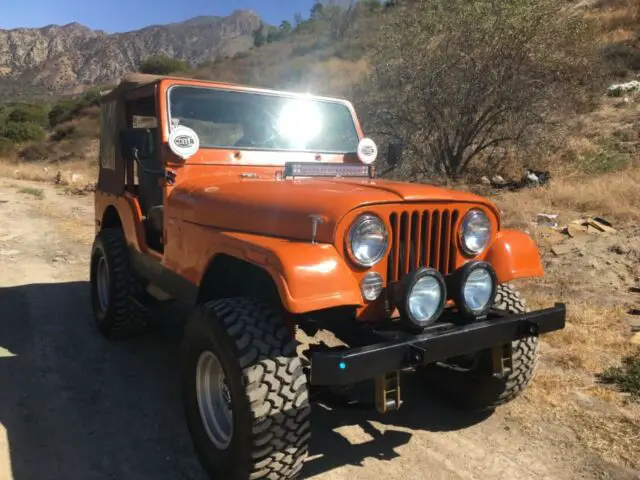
(243, 120)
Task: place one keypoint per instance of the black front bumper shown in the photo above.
(440, 342)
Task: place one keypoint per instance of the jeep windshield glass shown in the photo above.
(256, 121)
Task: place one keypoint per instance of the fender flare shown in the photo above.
(309, 277)
(514, 254)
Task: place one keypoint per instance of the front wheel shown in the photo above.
(245, 392)
(467, 382)
(116, 290)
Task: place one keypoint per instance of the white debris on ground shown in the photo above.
(620, 89)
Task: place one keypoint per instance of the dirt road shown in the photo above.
(74, 406)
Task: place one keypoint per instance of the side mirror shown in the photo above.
(141, 140)
(394, 154)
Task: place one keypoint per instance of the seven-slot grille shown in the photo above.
(423, 238)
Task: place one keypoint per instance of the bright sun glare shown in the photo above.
(300, 121)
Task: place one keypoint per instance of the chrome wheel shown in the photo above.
(214, 400)
(103, 284)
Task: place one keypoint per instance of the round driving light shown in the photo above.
(371, 286)
(424, 298)
(475, 232)
(367, 240)
(367, 151)
(473, 289)
(477, 290)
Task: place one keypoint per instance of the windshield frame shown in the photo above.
(273, 93)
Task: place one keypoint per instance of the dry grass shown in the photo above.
(615, 196)
(565, 390)
(85, 170)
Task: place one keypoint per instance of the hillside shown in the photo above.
(61, 58)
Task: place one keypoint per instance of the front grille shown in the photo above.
(423, 238)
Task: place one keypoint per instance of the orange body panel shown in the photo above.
(308, 276)
(233, 203)
(514, 255)
(130, 216)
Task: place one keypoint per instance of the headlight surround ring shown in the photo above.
(475, 222)
(361, 224)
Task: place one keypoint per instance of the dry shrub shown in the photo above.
(334, 77)
(83, 127)
(457, 81)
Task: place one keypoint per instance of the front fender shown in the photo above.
(308, 276)
(514, 254)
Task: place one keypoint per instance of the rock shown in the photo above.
(76, 177)
(564, 248)
(620, 89)
(498, 180)
(485, 181)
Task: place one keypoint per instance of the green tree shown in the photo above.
(273, 35)
(23, 132)
(316, 11)
(285, 27)
(163, 65)
(35, 113)
(67, 109)
(259, 38)
(371, 5)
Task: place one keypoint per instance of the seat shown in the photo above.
(155, 218)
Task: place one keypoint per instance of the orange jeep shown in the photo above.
(261, 209)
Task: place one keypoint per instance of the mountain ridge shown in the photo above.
(59, 58)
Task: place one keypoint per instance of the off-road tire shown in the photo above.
(268, 390)
(127, 315)
(480, 390)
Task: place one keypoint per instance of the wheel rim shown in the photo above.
(102, 284)
(214, 400)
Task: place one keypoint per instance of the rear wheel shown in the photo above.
(467, 382)
(116, 291)
(244, 391)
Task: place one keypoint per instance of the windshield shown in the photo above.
(243, 120)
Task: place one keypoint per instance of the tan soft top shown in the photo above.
(134, 81)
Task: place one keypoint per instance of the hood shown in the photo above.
(283, 208)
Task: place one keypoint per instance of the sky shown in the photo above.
(124, 15)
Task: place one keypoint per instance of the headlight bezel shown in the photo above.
(464, 225)
(351, 232)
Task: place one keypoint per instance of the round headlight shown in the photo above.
(425, 296)
(475, 232)
(368, 240)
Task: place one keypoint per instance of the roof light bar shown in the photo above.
(304, 169)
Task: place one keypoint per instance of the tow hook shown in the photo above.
(387, 392)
